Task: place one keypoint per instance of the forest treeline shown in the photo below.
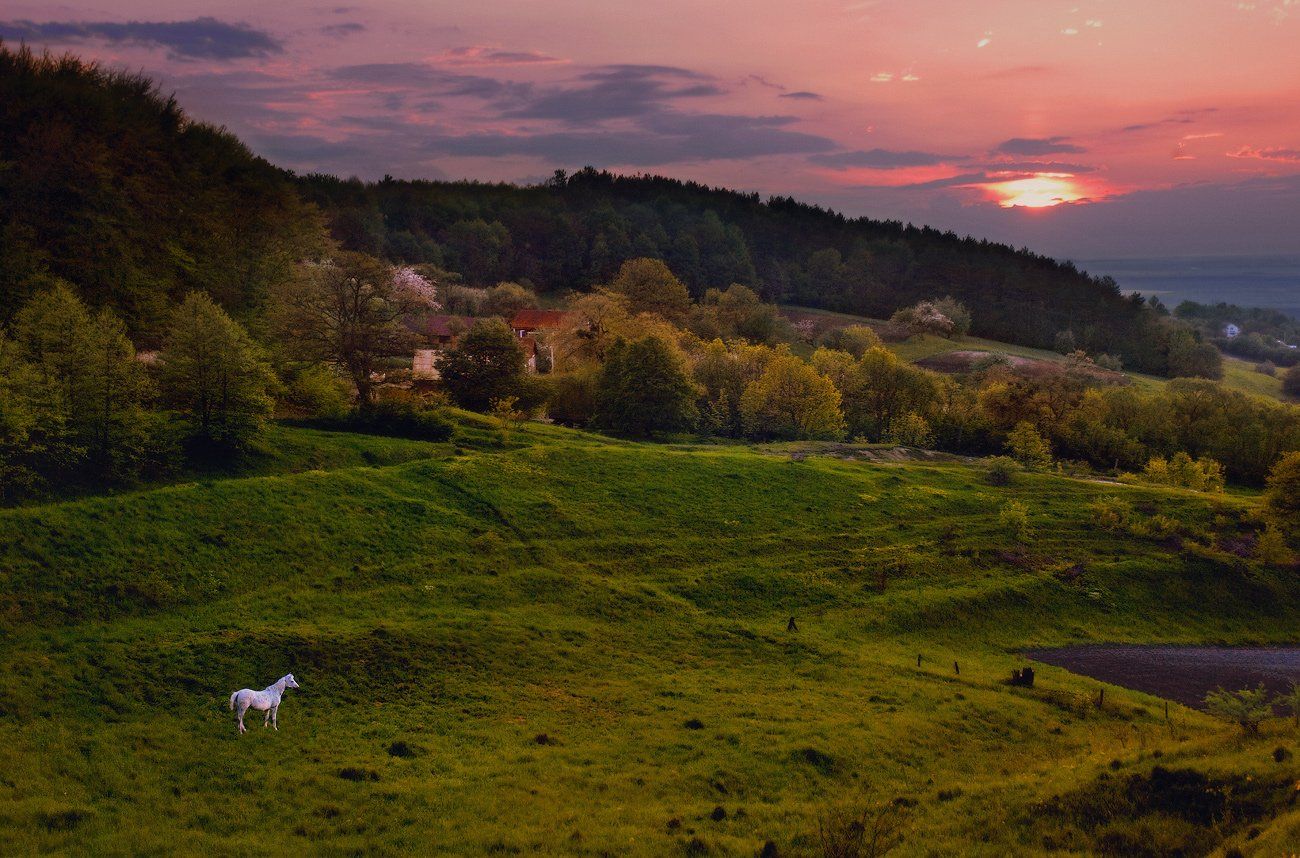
(107, 185)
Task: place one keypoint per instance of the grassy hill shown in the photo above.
(573, 645)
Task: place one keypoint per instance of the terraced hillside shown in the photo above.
(565, 644)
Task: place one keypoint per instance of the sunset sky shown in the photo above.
(1082, 129)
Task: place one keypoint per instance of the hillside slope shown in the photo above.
(573, 645)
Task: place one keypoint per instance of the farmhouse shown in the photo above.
(435, 334)
(528, 325)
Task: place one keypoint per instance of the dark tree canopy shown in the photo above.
(486, 366)
(644, 389)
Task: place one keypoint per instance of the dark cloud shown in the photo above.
(1290, 156)
(616, 92)
(1038, 167)
(1034, 147)
(801, 95)
(881, 159)
(347, 28)
(477, 55)
(429, 79)
(202, 38)
(661, 139)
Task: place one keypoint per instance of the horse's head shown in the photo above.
(290, 682)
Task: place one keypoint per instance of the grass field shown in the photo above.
(572, 645)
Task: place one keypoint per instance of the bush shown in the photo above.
(1014, 517)
(1002, 471)
(1247, 708)
(1291, 381)
(318, 392)
(1112, 513)
(911, 430)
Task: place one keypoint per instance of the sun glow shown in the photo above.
(1040, 191)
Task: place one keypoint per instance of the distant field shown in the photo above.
(1238, 374)
(574, 645)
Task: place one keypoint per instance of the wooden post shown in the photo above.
(918, 659)
(956, 668)
(1101, 698)
(1166, 710)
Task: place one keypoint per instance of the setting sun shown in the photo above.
(1036, 192)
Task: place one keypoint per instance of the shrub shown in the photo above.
(318, 392)
(1002, 471)
(990, 360)
(1271, 547)
(1291, 381)
(1282, 499)
(395, 418)
(1247, 708)
(924, 318)
(1112, 513)
(1014, 517)
(1202, 475)
(1110, 362)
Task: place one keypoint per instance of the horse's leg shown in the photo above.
(266, 720)
(275, 716)
(243, 707)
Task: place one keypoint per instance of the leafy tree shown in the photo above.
(925, 318)
(487, 365)
(506, 299)
(650, 287)
(854, 339)
(724, 371)
(1027, 446)
(911, 430)
(1247, 708)
(479, 250)
(348, 312)
(1282, 498)
(1189, 357)
(836, 365)
(957, 314)
(739, 312)
(791, 400)
(883, 387)
(643, 389)
(213, 373)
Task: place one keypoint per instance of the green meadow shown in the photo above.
(557, 643)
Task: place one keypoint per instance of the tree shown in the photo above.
(486, 365)
(643, 389)
(791, 400)
(1189, 357)
(957, 314)
(1027, 446)
(1282, 497)
(212, 372)
(883, 387)
(924, 318)
(854, 339)
(506, 299)
(911, 430)
(90, 380)
(348, 311)
(1246, 708)
(650, 287)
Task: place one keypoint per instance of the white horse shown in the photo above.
(267, 700)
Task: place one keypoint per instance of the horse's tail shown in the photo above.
(232, 700)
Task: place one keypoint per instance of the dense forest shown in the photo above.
(106, 184)
(575, 230)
